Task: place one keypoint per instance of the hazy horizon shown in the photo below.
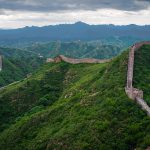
(72, 24)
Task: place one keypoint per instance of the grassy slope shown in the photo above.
(65, 106)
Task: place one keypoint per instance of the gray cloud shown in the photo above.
(64, 5)
(2, 12)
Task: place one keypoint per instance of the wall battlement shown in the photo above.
(132, 92)
(61, 58)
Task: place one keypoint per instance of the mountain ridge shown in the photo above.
(77, 31)
(77, 23)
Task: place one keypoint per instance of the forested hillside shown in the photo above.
(17, 64)
(17, 69)
(15, 53)
(77, 49)
(64, 106)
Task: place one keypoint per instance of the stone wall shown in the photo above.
(132, 92)
(1, 63)
(49, 60)
(76, 61)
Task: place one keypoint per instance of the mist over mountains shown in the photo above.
(77, 31)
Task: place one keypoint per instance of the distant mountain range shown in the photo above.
(77, 31)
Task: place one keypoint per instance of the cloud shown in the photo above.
(2, 12)
(65, 5)
(17, 19)
(20, 13)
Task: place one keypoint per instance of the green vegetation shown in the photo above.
(63, 106)
(15, 69)
(76, 49)
(17, 64)
(15, 53)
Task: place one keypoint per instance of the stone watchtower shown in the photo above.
(1, 63)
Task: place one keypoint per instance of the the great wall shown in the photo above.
(132, 92)
(76, 61)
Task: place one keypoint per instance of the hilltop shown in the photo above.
(82, 106)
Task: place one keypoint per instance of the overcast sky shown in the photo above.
(20, 13)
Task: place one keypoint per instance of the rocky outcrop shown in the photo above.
(132, 92)
(61, 58)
